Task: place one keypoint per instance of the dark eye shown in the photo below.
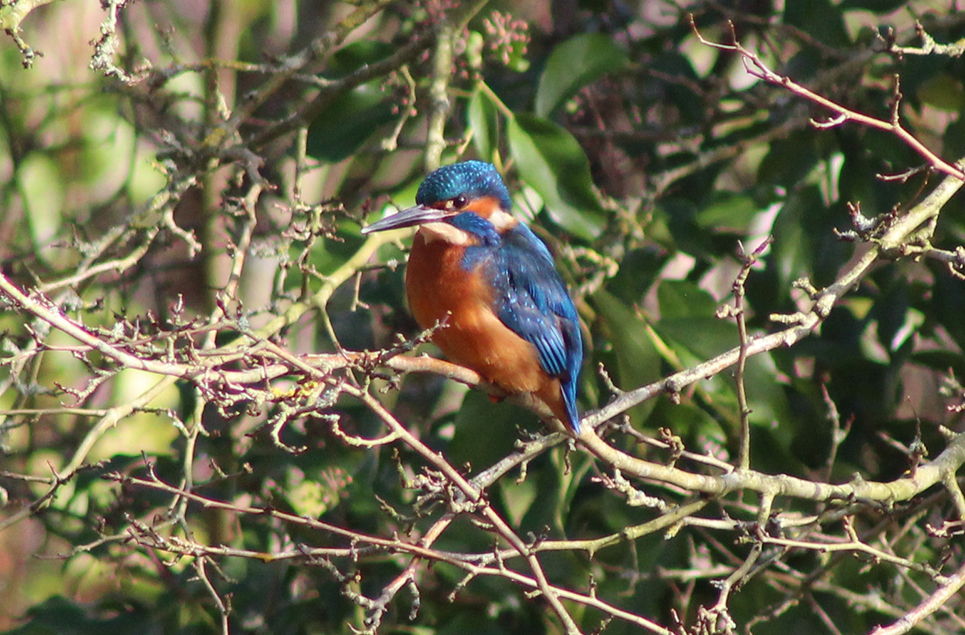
(460, 201)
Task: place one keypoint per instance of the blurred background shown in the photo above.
(174, 175)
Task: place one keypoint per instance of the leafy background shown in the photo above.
(187, 180)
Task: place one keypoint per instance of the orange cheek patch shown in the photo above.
(488, 207)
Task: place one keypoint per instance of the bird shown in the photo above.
(492, 284)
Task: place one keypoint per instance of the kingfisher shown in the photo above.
(491, 284)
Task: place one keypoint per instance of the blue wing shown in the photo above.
(532, 300)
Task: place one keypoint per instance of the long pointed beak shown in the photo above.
(417, 215)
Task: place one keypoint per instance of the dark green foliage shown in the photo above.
(298, 457)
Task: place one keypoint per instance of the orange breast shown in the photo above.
(437, 285)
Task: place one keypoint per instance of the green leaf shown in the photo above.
(689, 325)
(354, 56)
(639, 269)
(483, 119)
(679, 91)
(948, 305)
(680, 299)
(573, 64)
(353, 117)
(348, 122)
(637, 359)
(820, 19)
(804, 243)
(940, 361)
(308, 496)
(43, 195)
(702, 337)
(728, 213)
(792, 252)
(517, 497)
(480, 418)
(552, 162)
(896, 321)
(547, 511)
(58, 614)
(878, 6)
(789, 160)
(943, 92)
(474, 50)
(953, 141)
(687, 317)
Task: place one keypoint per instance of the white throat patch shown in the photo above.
(502, 220)
(446, 233)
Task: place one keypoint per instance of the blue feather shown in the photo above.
(473, 179)
(530, 297)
